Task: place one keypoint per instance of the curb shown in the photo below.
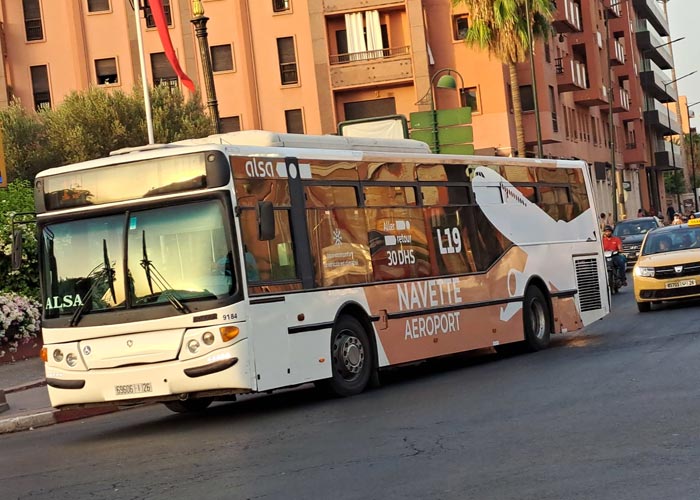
(3, 402)
(28, 385)
(51, 417)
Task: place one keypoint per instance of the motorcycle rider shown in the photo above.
(611, 244)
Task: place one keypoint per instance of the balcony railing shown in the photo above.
(619, 50)
(369, 55)
(568, 16)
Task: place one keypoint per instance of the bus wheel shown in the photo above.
(351, 358)
(536, 320)
(188, 405)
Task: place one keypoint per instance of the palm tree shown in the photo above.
(501, 27)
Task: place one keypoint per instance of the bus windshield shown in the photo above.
(174, 255)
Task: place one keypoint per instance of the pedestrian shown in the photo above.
(609, 220)
(640, 213)
(676, 220)
(670, 211)
(602, 222)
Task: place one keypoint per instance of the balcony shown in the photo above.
(567, 17)
(667, 156)
(660, 118)
(651, 46)
(617, 51)
(571, 74)
(655, 82)
(647, 9)
(332, 6)
(592, 96)
(635, 152)
(614, 7)
(622, 101)
(371, 68)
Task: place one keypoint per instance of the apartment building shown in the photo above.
(305, 65)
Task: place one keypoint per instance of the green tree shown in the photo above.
(89, 124)
(674, 183)
(18, 197)
(25, 139)
(501, 27)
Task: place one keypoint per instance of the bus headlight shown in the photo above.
(208, 338)
(193, 346)
(57, 355)
(645, 272)
(71, 359)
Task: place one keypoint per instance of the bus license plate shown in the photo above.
(128, 389)
(680, 284)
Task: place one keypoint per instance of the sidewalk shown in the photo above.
(24, 399)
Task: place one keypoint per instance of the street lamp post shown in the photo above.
(538, 125)
(692, 153)
(611, 124)
(445, 82)
(200, 28)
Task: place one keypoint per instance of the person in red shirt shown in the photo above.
(614, 244)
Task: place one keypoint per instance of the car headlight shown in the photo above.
(645, 272)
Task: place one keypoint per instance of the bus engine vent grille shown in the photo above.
(588, 284)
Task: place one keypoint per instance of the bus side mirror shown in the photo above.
(266, 221)
(17, 249)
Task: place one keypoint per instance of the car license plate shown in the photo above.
(128, 389)
(680, 284)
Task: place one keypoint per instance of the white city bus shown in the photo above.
(254, 261)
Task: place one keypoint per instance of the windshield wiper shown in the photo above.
(153, 275)
(102, 271)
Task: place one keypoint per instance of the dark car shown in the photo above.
(632, 232)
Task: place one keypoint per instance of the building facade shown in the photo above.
(306, 65)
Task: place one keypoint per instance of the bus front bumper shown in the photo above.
(223, 371)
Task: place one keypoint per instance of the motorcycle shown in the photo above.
(615, 281)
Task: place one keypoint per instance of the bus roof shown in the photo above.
(264, 138)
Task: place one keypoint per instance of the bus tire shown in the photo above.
(188, 405)
(352, 361)
(536, 320)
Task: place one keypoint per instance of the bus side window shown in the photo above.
(274, 259)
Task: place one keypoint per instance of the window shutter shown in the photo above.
(40, 79)
(221, 58)
(98, 5)
(161, 67)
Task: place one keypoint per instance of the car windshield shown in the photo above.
(634, 227)
(174, 255)
(671, 241)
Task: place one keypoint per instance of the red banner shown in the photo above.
(162, 25)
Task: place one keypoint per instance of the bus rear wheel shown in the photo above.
(352, 360)
(536, 319)
(188, 405)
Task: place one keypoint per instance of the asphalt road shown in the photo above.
(608, 413)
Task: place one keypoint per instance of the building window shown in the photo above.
(356, 110)
(470, 98)
(150, 22)
(527, 99)
(280, 5)
(294, 120)
(553, 105)
(230, 124)
(288, 60)
(106, 71)
(33, 27)
(547, 52)
(460, 26)
(163, 72)
(98, 5)
(40, 86)
(222, 58)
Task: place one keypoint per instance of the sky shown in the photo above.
(684, 21)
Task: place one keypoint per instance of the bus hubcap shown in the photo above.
(537, 319)
(352, 354)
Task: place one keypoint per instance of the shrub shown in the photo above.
(20, 321)
(18, 197)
